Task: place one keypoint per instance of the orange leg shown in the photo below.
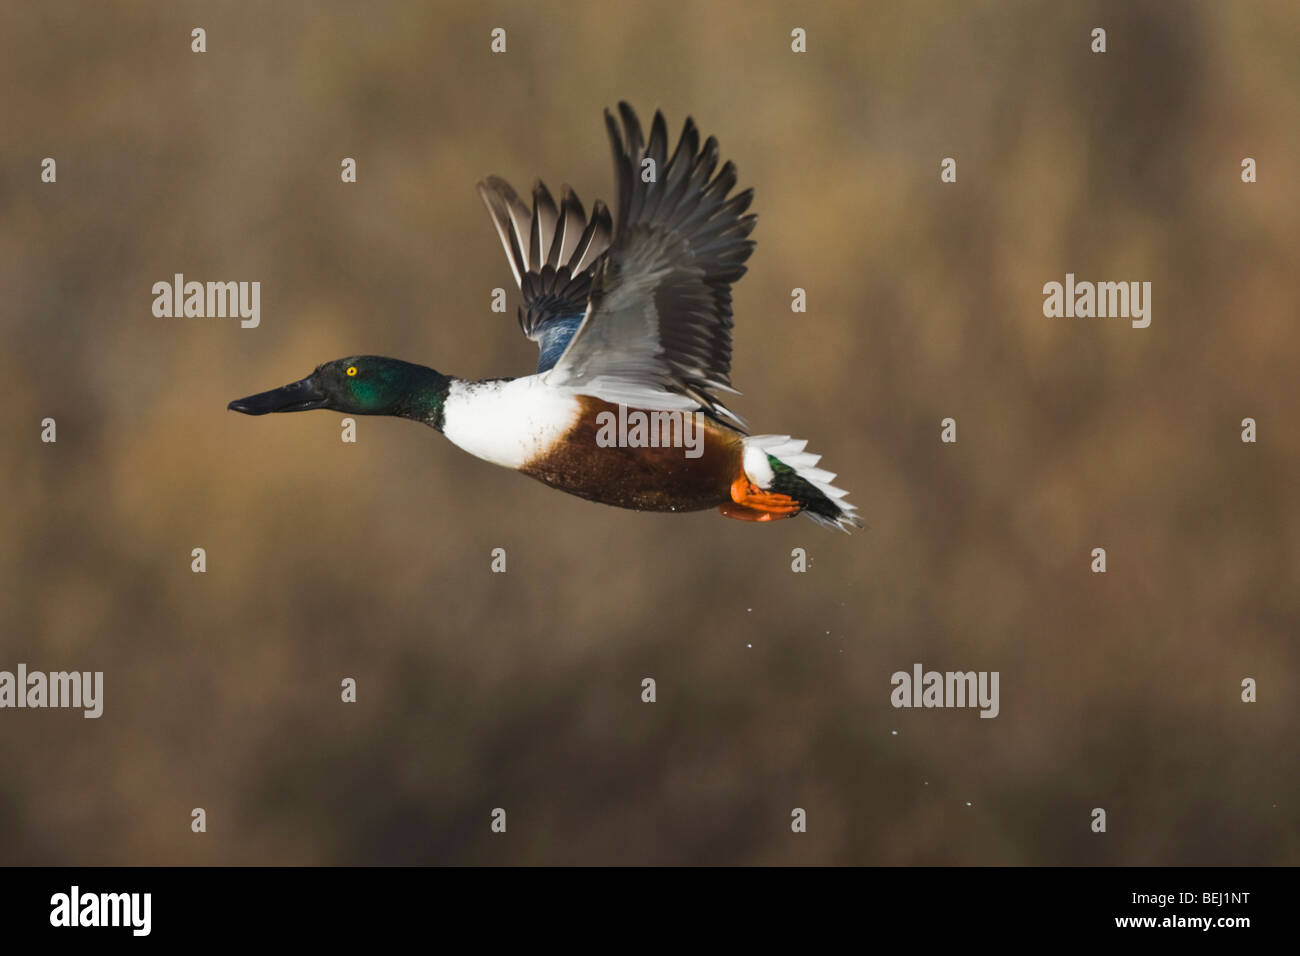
(752, 503)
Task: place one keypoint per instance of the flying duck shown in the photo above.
(633, 327)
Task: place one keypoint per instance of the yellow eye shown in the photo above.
(352, 370)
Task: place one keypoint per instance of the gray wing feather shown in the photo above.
(659, 315)
(552, 252)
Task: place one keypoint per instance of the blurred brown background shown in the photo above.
(522, 690)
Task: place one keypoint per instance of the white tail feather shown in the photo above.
(790, 452)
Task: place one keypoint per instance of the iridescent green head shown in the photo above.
(359, 385)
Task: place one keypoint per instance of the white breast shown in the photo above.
(508, 423)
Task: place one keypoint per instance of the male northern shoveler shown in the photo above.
(633, 326)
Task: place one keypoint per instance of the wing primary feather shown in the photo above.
(543, 226)
(572, 216)
(657, 152)
(594, 241)
(501, 202)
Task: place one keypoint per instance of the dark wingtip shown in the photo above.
(660, 125)
(629, 118)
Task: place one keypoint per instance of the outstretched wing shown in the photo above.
(552, 253)
(657, 330)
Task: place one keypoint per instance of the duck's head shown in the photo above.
(358, 385)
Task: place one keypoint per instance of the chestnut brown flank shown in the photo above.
(646, 479)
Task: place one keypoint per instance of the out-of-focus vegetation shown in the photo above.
(522, 690)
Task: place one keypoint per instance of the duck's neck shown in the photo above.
(424, 396)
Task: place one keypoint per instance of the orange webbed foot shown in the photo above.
(752, 503)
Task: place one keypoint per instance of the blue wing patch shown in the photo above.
(553, 338)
